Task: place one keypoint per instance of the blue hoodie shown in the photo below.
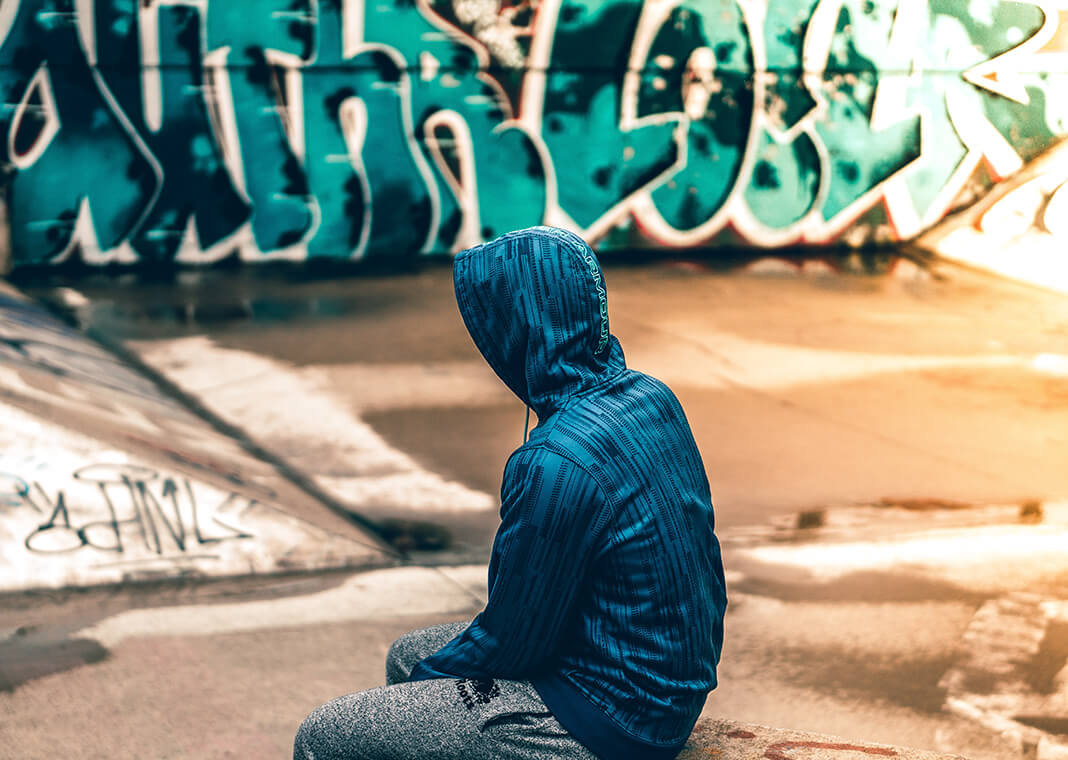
(606, 585)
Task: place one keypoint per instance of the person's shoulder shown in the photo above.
(654, 384)
(548, 452)
(554, 473)
(638, 394)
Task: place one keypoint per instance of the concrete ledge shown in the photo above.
(729, 740)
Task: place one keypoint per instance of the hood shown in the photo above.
(535, 304)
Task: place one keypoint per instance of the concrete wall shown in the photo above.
(191, 130)
(1018, 230)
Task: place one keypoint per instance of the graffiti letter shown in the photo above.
(84, 177)
(574, 99)
(162, 90)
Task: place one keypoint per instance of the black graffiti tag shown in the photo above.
(164, 521)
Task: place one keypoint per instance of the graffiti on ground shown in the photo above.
(74, 511)
(64, 524)
(126, 510)
(190, 130)
(57, 374)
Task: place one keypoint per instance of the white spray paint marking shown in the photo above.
(378, 595)
(990, 558)
(75, 512)
(293, 413)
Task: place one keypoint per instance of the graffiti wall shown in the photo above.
(1019, 230)
(194, 130)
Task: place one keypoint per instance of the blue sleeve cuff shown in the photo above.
(422, 672)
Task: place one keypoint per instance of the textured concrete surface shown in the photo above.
(804, 391)
(730, 740)
(886, 456)
(106, 478)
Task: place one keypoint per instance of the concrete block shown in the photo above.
(730, 740)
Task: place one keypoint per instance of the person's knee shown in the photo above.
(400, 659)
(413, 646)
(400, 646)
(302, 742)
(316, 735)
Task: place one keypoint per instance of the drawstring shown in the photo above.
(526, 425)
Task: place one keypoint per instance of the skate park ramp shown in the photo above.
(107, 478)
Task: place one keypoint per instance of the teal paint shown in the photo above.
(242, 33)
(597, 163)
(787, 101)
(448, 87)
(958, 36)
(171, 131)
(66, 141)
(358, 158)
(784, 182)
(709, 79)
(861, 155)
(196, 184)
(1031, 127)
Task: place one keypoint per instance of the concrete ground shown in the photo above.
(887, 455)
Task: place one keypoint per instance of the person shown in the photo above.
(604, 621)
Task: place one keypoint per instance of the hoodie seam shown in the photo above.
(587, 390)
(610, 503)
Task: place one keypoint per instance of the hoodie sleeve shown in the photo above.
(551, 515)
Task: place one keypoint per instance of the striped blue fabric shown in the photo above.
(606, 583)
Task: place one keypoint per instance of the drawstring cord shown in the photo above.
(526, 425)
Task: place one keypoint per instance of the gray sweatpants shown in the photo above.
(440, 719)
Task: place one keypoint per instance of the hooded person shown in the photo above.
(604, 621)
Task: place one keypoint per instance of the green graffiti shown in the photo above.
(785, 177)
(784, 182)
(857, 154)
(1029, 126)
(196, 183)
(596, 162)
(189, 130)
(446, 79)
(359, 161)
(786, 100)
(701, 63)
(952, 38)
(861, 156)
(68, 146)
(273, 179)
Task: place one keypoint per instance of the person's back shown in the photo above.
(606, 590)
(646, 639)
